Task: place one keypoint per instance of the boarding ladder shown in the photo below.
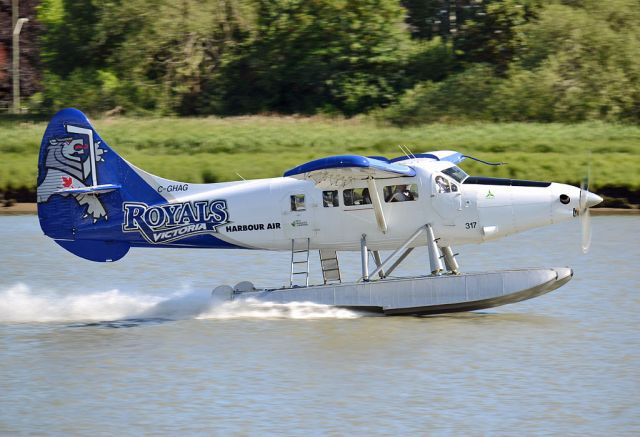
(329, 264)
(299, 261)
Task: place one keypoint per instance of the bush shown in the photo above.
(465, 95)
(523, 96)
(81, 88)
(584, 63)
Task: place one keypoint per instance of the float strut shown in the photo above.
(399, 260)
(376, 257)
(364, 254)
(450, 260)
(434, 253)
(397, 251)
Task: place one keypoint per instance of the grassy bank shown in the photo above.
(213, 149)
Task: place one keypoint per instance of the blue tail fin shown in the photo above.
(82, 184)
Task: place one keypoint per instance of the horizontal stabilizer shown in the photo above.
(96, 189)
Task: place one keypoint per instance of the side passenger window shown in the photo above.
(330, 199)
(400, 193)
(297, 202)
(356, 196)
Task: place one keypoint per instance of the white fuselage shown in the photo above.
(269, 213)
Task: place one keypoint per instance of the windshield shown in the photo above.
(456, 173)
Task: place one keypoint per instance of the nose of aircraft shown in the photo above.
(593, 199)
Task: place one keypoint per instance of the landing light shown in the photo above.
(564, 199)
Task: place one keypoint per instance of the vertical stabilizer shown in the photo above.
(82, 184)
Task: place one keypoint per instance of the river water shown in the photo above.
(134, 347)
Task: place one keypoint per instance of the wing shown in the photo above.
(343, 169)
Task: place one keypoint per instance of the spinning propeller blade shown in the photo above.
(585, 216)
(587, 200)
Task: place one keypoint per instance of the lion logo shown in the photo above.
(68, 165)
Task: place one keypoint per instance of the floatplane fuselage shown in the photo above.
(97, 205)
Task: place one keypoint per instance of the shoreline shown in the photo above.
(32, 208)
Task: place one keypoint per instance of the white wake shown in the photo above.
(252, 308)
(20, 304)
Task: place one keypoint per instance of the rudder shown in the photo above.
(81, 188)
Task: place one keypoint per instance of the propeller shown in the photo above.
(587, 200)
(585, 216)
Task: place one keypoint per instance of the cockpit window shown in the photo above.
(456, 173)
(443, 185)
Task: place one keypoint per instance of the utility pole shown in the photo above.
(14, 17)
(17, 27)
(14, 13)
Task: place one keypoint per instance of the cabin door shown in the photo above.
(446, 198)
(298, 214)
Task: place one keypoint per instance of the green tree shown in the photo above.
(584, 62)
(138, 54)
(558, 62)
(494, 36)
(176, 49)
(321, 55)
(428, 19)
(68, 42)
(71, 56)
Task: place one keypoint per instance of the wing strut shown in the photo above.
(377, 204)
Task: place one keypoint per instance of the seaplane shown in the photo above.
(98, 206)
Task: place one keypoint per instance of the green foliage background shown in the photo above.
(407, 62)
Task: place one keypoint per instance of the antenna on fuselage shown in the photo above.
(406, 151)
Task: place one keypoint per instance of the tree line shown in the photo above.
(406, 62)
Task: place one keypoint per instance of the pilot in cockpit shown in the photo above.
(442, 184)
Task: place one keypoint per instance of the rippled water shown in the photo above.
(134, 347)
